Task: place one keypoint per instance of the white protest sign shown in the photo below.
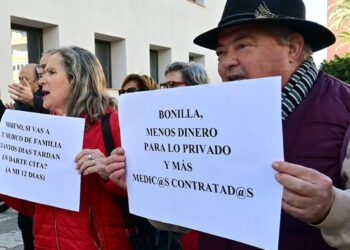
(37, 154)
(200, 157)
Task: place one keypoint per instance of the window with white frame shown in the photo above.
(160, 57)
(103, 53)
(27, 46)
(111, 52)
(198, 58)
(153, 57)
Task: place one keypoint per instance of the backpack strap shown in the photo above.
(107, 134)
(131, 221)
(109, 145)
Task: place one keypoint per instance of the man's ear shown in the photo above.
(296, 47)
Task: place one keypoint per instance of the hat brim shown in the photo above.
(316, 35)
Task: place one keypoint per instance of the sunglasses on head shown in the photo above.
(129, 90)
(172, 84)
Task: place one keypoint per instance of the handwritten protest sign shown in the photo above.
(200, 157)
(37, 154)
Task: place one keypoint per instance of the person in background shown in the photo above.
(137, 82)
(27, 93)
(26, 87)
(177, 74)
(181, 74)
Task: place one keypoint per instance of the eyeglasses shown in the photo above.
(129, 90)
(172, 84)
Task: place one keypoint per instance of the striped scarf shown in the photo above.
(298, 86)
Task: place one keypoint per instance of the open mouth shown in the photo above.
(45, 93)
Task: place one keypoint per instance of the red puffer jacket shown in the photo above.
(24, 207)
(99, 223)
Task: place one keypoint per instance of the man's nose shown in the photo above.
(21, 81)
(229, 60)
(41, 80)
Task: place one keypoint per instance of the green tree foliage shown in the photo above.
(339, 67)
(339, 19)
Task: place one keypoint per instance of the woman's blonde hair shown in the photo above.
(89, 96)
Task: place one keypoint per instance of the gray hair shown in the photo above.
(192, 73)
(49, 51)
(88, 83)
(283, 33)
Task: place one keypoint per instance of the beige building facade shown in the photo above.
(139, 36)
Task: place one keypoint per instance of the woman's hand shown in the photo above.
(116, 167)
(91, 161)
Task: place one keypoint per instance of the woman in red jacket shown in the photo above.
(74, 85)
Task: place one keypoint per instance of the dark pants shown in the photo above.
(25, 223)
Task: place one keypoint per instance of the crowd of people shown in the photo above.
(253, 39)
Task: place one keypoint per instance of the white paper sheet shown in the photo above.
(200, 157)
(37, 154)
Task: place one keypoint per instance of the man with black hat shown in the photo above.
(258, 38)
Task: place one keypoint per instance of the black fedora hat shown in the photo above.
(288, 13)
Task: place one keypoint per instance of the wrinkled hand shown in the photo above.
(308, 195)
(116, 167)
(91, 161)
(22, 92)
